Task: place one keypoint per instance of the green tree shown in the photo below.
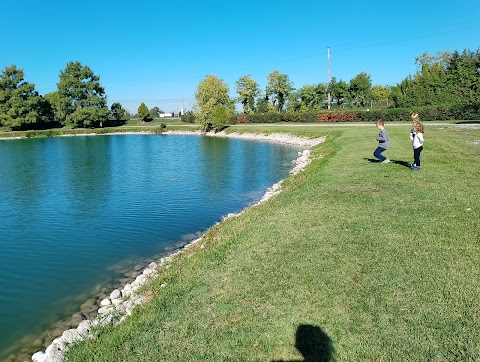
(360, 89)
(21, 107)
(155, 112)
(117, 111)
(338, 90)
(247, 90)
(278, 89)
(220, 116)
(262, 104)
(442, 79)
(294, 102)
(211, 93)
(81, 97)
(143, 112)
(463, 74)
(309, 98)
(380, 94)
(53, 98)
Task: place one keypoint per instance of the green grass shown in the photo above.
(353, 261)
(131, 126)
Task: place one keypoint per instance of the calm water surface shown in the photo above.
(73, 209)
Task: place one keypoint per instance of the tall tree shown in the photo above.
(360, 89)
(212, 94)
(338, 90)
(309, 98)
(442, 79)
(143, 112)
(21, 106)
(155, 112)
(262, 104)
(81, 98)
(278, 89)
(117, 111)
(463, 71)
(379, 94)
(247, 90)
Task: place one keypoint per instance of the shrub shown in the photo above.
(457, 112)
(188, 117)
(160, 129)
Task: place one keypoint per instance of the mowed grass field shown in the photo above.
(353, 261)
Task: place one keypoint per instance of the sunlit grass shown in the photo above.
(374, 261)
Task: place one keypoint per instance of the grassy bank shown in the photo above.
(354, 261)
(131, 126)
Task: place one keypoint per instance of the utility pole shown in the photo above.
(328, 85)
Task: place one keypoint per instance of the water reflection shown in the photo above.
(216, 163)
(87, 175)
(24, 186)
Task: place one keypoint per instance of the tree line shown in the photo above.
(79, 100)
(448, 78)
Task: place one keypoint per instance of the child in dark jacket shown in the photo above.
(383, 142)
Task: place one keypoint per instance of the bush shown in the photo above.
(218, 119)
(188, 117)
(160, 129)
(457, 112)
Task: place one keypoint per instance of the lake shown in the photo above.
(82, 215)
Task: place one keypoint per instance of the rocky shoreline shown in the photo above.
(113, 307)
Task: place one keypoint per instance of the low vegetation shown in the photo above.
(353, 261)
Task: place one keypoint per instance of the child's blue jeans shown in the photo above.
(378, 153)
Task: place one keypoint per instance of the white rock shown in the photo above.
(105, 320)
(117, 301)
(120, 308)
(53, 353)
(140, 279)
(104, 310)
(127, 290)
(115, 294)
(71, 336)
(39, 357)
(148, 271)
(59, 342)
(84, 327)
(105, 302)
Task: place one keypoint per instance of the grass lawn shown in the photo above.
(353, 261)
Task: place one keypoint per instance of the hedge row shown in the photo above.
(457, 112)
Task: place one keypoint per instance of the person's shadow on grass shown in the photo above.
(396, 162)
(314, 345)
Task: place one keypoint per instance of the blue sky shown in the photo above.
(157, 52)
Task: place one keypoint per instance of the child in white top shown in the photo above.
(417, 141)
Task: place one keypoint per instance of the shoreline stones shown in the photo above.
(118, 304)
(113, 310)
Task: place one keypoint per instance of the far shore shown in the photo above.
(150, 129)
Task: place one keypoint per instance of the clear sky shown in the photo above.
(159, 51)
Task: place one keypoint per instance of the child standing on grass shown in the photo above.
(415, 119)
(417, 142)
(383, 142)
